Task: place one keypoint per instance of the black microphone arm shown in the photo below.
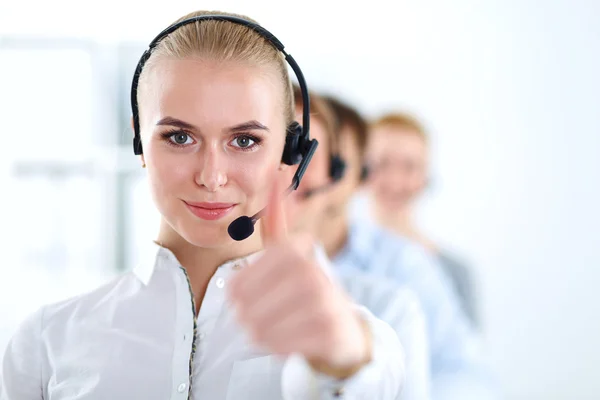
(242, 227)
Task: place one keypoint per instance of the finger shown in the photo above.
(279, 300)
(304, 331)
(274, 222)
(290, 264)
(263, 273)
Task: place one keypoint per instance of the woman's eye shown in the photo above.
(243, 142)
(181, 138)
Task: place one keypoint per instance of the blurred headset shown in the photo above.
(365, 172)
(337, 165)
(298, 149)
(365, 169)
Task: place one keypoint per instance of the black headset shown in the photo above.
(299, 148)
(337, 165)
(365, 172)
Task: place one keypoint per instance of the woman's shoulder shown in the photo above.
(23, 359)
(376, 292)
(78, 305)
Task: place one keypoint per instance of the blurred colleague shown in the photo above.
(211, 312)
(394, 304)
(359, 245)
(398, 155)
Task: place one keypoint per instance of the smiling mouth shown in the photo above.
(210, 211)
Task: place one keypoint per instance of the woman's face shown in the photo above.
(399, 160)
(213, 136)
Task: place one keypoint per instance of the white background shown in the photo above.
(510, 91)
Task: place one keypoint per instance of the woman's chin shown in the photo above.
(204, 233)
(207, 236)
(392, 205)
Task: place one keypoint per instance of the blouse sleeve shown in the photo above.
(382, 378)
(21, 377)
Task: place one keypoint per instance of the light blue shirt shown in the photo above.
(456, 368)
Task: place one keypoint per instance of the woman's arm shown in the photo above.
(21, 377)
(382, 378)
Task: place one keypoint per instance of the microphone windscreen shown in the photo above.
(241, 228)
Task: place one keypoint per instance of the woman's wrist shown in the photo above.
(345, 372)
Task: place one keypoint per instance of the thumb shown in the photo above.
(274, 226)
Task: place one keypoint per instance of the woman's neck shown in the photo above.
(333, 233)
(201, 263)
(399, 220)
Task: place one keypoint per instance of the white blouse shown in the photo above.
(137, 338)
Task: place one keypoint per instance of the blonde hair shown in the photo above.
(401, 120)
(224, 41)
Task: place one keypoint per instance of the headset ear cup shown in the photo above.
(337, 168)
(292, 151)
(365, 171)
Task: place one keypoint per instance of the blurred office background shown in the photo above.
(509, 90)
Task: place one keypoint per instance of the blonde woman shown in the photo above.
(205, 316)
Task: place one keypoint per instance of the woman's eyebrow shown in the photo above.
(244, 126)
(177, 122)
(249, 126)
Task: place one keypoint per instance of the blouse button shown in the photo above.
(220, 283)
(181, 388)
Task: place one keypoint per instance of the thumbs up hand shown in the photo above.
(289, 305)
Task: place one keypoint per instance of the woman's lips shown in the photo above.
(210, 211)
